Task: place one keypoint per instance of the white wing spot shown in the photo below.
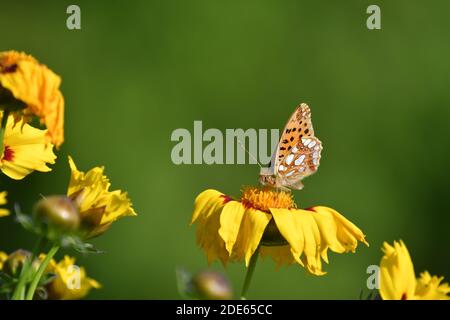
(316, 154)
(290, 173)
(281, 168)
(294, 150)
(315, 161)
(306, 141)
(311, 144)
(317, 147)
(299, 160)
(289, 159)
(301, 169)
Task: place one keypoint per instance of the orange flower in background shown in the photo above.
(28, 88)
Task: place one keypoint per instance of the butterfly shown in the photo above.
(297, 154)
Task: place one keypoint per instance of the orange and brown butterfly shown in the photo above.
(297, 154)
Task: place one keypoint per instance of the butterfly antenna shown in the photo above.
(248, 152)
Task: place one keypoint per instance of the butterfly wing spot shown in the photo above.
(299, 160)
(289, 159)
(290, 173)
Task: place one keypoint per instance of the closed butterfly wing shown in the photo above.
(298, 152)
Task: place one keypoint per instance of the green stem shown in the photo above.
(43, 266)
(249, 274)
(19, 291)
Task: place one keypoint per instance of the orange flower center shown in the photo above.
(266, 197)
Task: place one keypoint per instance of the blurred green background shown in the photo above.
(140, 69)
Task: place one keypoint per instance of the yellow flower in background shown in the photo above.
(98, 206)
(398, 281)
(268, 221)
(3, 258)
(25, 81)
(71, 281)
(3, 212)
(25, 150)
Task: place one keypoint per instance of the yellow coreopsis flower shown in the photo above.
(233, 230)
(398, 281)
(3, 212)
(25, 149)
(3, 257)
(71, 281)
(98, 206)
(25, 81)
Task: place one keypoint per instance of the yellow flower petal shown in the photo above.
(71, 281)
(3, 212)
(25, 150)
(252, 228)
(98, 206)
(3, 258)
(230, 222)
(301, 231)
(204, 202)
(282, 255)
(337, 232)
(208, 237)
(397, 279)
(429, 287)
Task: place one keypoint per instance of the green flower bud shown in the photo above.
(57, 212)
(15, 261)
(211, 285)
